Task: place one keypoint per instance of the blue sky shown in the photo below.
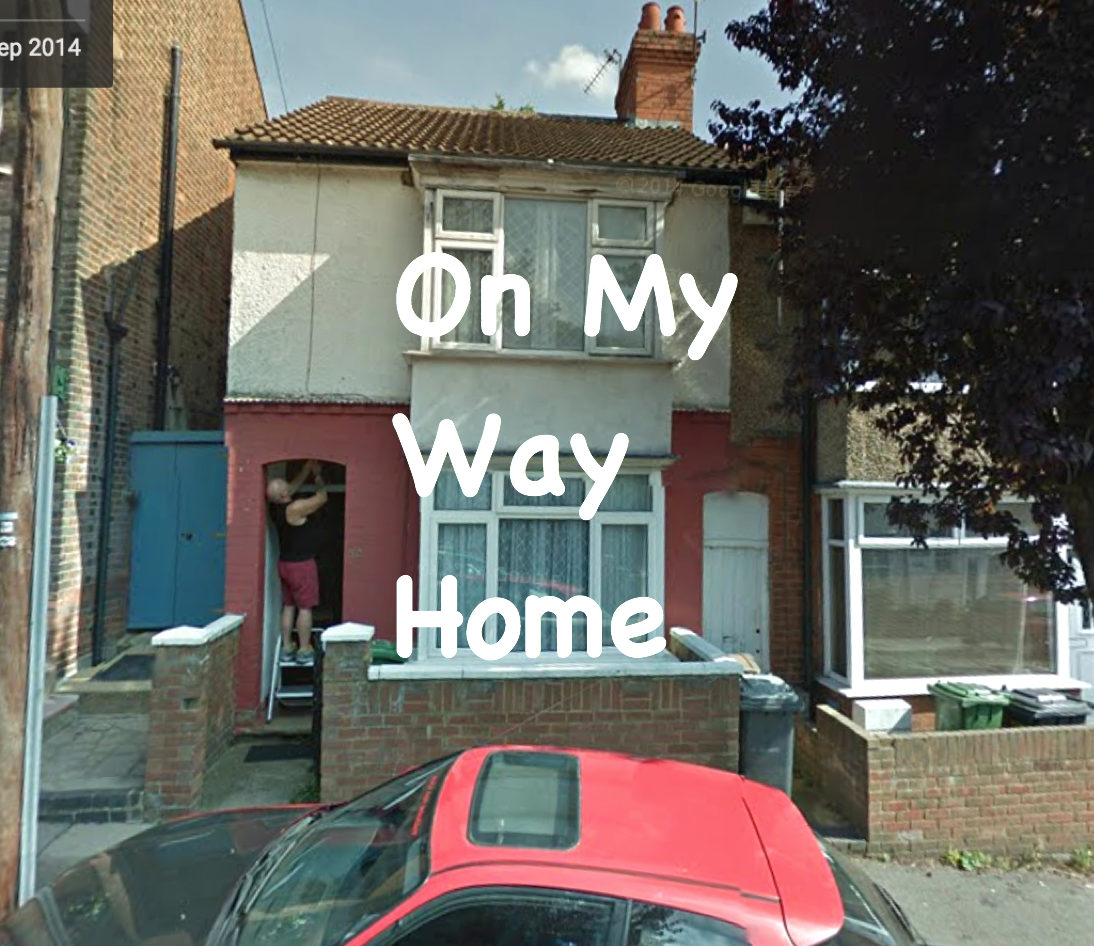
(438, 52)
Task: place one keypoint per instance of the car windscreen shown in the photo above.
(867, 920)
(350, 868)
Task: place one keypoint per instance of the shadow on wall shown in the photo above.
(105, 341)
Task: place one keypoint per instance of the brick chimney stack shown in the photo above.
(656, 86)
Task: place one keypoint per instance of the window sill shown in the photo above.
(536, 357)
(918, 687)
(546, 667)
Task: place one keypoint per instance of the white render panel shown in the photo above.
(318, 253)
(540, 396)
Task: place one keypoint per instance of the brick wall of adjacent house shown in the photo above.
(1009, 791)
(192, 721)
(111, 193)
(373, 729)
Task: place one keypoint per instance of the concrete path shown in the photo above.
(96, 753)
(955, 908)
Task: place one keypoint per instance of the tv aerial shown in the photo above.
(611, 56)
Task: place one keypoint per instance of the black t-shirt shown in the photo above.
(298, 543)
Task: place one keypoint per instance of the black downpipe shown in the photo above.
(169, 184)
(115, 332)
(808, 478)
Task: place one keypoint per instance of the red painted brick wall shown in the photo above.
(110, 218)
(709, 462)
(374, 729)
(1007, 791)
(382, 513)
(192, 721)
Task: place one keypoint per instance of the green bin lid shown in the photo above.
(384, 652)
(969, 693)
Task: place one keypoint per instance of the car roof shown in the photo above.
(661, 822)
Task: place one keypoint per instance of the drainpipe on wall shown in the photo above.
(115, 332)
(169, 186)
(808, 478)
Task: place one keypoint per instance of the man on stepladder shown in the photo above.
(298, 533)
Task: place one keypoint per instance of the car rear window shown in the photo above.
(527, 799)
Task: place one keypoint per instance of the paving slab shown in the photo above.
(96, 753)
(235, 783)
(950, 907)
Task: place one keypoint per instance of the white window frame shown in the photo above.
(855, 684)
(437, 239)
(428, 591)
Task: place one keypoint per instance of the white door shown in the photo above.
(735, 592)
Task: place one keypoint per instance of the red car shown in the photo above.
(502, 846)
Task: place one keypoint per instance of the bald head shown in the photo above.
(277, 491)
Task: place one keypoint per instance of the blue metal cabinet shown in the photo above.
(176, 575)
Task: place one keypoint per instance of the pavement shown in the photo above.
(950, 907)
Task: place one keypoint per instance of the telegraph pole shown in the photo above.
(24, 382)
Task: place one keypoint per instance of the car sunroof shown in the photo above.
(527, 799)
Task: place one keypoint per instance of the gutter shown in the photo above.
(169, 185)
(808, 477)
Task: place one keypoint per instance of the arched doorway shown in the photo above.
(735, 574)
(330, 561)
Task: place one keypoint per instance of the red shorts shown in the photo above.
(299, 584)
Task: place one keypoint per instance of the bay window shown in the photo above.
(501, 543)
(898, 613)
(549, 242)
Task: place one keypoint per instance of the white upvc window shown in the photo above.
(550, 242)
(898, 617)
(501, 543)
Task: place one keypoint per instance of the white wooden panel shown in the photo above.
(735, 600)
(737, 519)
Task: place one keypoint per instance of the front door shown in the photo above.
(1081, 644)
(735, 575)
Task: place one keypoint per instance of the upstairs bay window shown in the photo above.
(501, 543)
(549, 243)
(898, 613)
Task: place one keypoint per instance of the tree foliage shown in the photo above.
(939, 157)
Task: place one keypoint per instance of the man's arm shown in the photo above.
(300, 509)
(306, 470)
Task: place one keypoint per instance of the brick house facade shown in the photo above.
(109, 221)
(318, 367)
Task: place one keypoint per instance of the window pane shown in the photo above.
(623, 573)
(622, 223)
(467, 215)
(628, 270)
(951, 612)
(544, 557)
(876, 525)
(574, 495)
(448, 494)
(517, 920)
(837, 608)
(660, 926)
(546, 243)
(835, 519)
(461, 552)
(629, 493)
(478, 263)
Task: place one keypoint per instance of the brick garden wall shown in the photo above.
(111, 193)
(373, 729)
(1008, 791)
(192, 719)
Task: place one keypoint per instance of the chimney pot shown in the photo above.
(651, 17)
(674, 20)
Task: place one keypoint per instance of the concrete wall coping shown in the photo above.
(703, 649)
(474, 668)
(348, 633)
(198, 636)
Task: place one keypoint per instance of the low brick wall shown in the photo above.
(377, 725)
(1004, 791)
(192, 712)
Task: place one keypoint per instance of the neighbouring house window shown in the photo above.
(549, 243)
(953, 609)
(501, 543)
